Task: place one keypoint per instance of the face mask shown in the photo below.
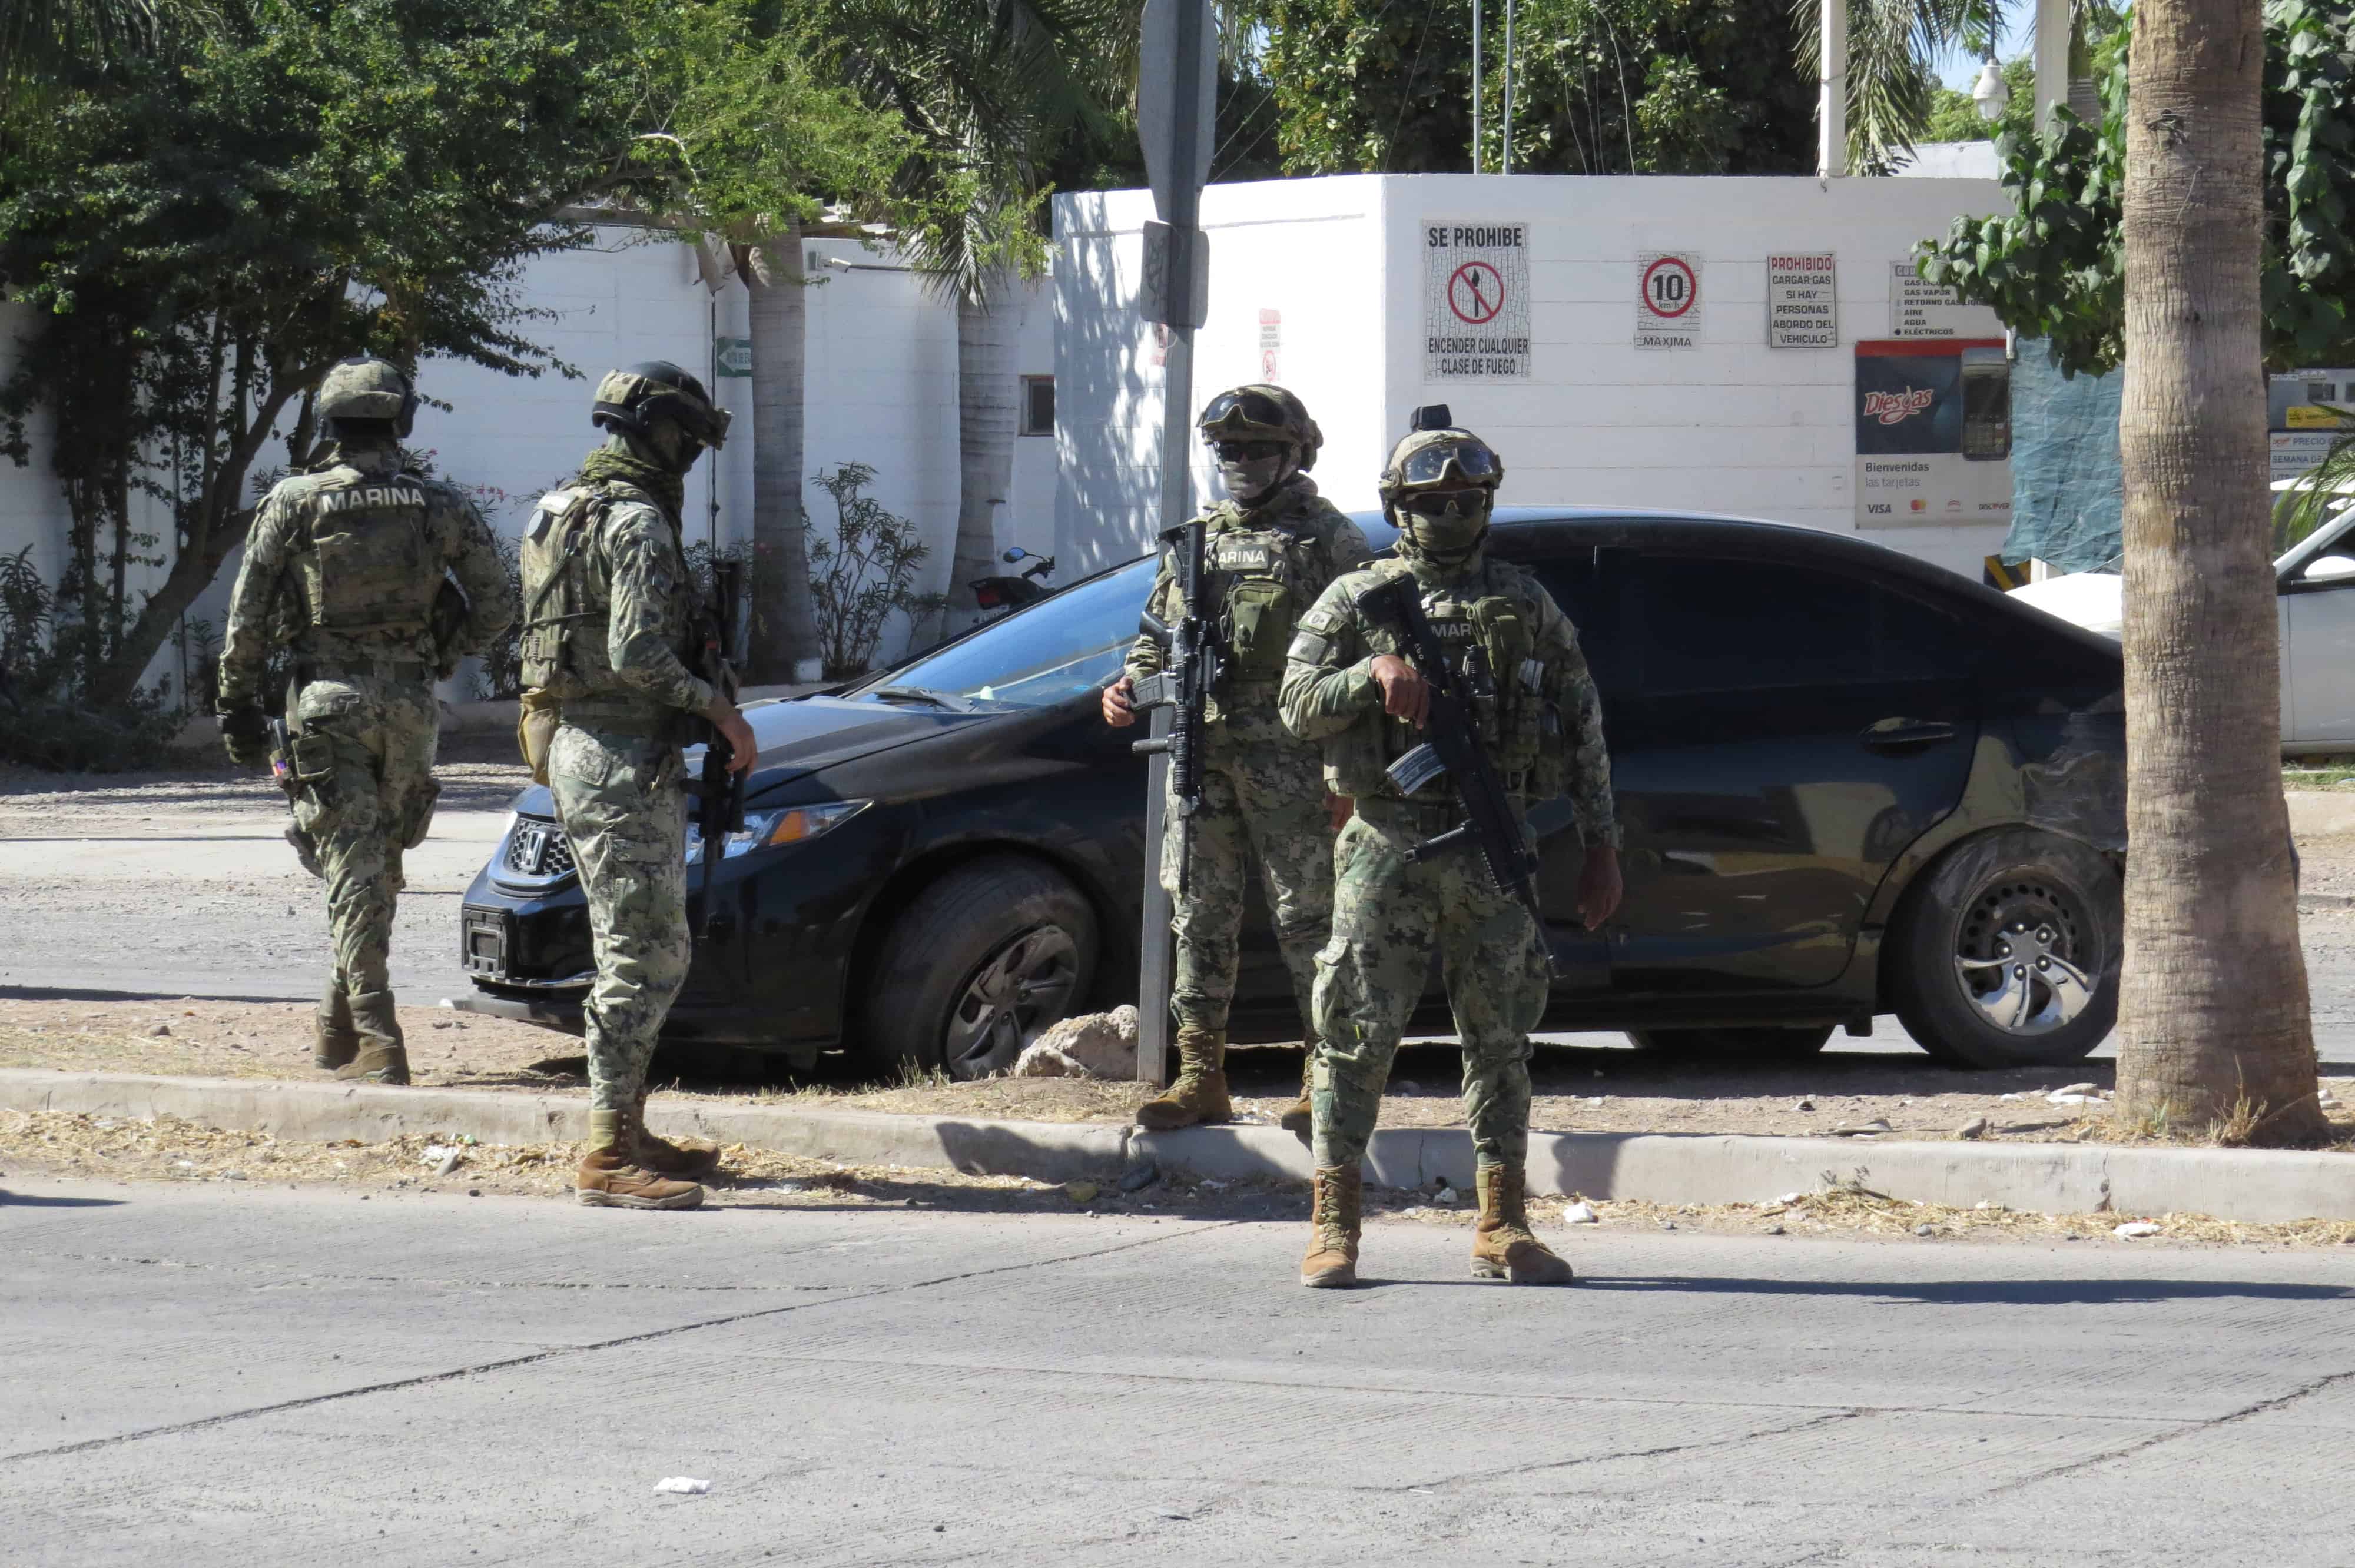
(1248, 479)
(1450, 538)
(674, 447)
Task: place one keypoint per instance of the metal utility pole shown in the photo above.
(1505, 164)
(1831, 92)
(2052, 49)
(1475, 86)
(1177, 91)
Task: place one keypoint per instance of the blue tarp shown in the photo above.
(2067, 487)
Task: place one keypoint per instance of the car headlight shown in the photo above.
(777, 827)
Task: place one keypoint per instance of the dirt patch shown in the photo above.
(58, 1145)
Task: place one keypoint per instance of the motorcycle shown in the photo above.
(1004, 595)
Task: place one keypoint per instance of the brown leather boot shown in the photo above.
(664, 1158)
(1335, 1200)
(1199, 1095)
(1299, 1119)
(1503, 1245)
(610, 1176)
(384, 1055)
(334, 1040)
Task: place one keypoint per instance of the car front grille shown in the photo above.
(538, 850)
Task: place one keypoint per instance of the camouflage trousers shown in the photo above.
(1386, 915)
(364, 753)
(622, 803)
(1259, 804)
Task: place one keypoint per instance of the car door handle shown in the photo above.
(1901, 734)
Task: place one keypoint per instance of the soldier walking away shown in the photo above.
(1269, 549)
(1539, 723)
(346, 563)
(610, 641)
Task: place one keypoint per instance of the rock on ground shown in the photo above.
(1092, 1046)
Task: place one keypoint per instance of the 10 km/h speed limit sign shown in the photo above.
(1667, 300)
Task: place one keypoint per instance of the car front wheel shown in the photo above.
(2007, 955)
(980, 963)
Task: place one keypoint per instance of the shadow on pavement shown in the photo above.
(27, 1201)
(1984, 1292)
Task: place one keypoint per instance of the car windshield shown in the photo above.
(1073, 642)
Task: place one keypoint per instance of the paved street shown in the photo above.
(238, 1375)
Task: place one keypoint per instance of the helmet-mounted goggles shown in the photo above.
(1466, 460)
(1241, 411)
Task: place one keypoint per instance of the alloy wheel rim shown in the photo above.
(1021, 987)
(2023, 959)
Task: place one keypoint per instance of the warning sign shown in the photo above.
(1475, 307)
(1271, 346)
(1802, 308)
(1667, 300)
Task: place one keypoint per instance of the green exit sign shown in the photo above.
(735, 355)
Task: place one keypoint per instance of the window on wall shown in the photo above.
(1038, 404)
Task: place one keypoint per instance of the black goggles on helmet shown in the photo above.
(1470, 457)
(1244, 408)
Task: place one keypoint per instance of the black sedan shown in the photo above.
(1850, 784)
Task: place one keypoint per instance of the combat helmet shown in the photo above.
(631, 401)
(1262, 412)
(367, 388)
(1441, 460)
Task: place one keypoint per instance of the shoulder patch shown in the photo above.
(1323, 619)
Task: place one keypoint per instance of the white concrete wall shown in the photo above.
(1730, 426)
(882, 389)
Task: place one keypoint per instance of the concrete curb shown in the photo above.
(2049, 1178)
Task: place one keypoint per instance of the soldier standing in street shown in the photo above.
(1347, 687)
(347, 562)
(1270, 548)
(610, 612)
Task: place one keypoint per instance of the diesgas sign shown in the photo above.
(1932, 432)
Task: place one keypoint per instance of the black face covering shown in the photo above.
(1449, 537)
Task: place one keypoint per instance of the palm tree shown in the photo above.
(1891, 47)
(2214, 1015)
(987, 88)
(44, 41)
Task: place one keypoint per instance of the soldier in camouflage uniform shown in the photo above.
(1270, 549)
(1347, 687)
(346, 562)
(609, 617)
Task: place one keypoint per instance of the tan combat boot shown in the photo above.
(1299, 1119)
(1199, 1095)
(384, 1055)
(1503, 1246)
(610, 1176)
(334, 1040)
(1335, 1200)
(664, 1158)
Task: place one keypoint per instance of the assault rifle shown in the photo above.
(1189, 668)
(720, 793)
(1455, 750)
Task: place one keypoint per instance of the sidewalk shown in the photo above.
(2252, 1185)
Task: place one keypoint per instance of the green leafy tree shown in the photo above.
(744, 143)
(203, 236)
(1606, 87)
(2054, 267)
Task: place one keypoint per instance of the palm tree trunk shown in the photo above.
(783, 644)
(2214, 1017)
(986, 416)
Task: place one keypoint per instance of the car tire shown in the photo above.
(1760, 1044)
(977, 965)
(2005, 954)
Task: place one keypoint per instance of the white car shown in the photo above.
(2316, 582)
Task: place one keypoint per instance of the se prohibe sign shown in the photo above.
(1476, 302)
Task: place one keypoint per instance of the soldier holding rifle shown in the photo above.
(617, 673)
(1447, 690)
(1232, 586)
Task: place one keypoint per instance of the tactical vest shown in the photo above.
(371, 572)
(1490, 612)
(1260, 590)
(567, 607)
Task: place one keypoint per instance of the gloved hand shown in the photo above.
(246, 733)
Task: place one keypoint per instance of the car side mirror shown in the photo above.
(2329, 569)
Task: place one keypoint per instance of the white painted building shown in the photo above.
(1330, 287)
(882, 390)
